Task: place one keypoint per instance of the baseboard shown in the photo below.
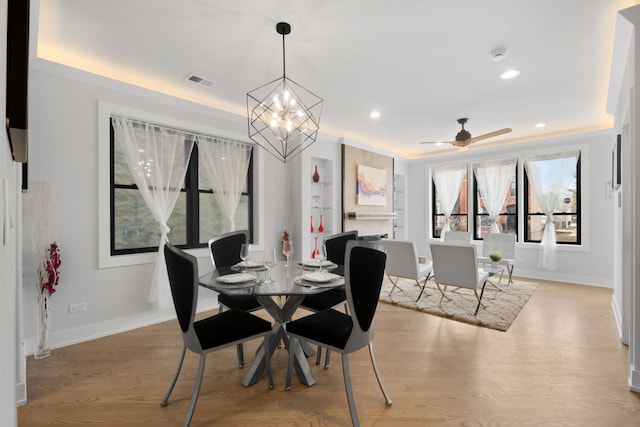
(21, 393)
(617, 314)
(634, 380)
(554, 276)
(98, 330)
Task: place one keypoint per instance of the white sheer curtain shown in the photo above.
(448, 182)
(494, 181)
(550, 177)
(158, 159)
(226, 164)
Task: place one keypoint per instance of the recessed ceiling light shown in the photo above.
(509, 74)
(540, 125)
(375, 114)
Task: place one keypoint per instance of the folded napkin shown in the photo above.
(320, 277)
(249, 264)
(237, 278)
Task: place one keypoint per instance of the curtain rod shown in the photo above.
(175, 129)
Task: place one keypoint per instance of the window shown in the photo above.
(508, 217)
(195, 219)
(566, 216)
(458, 218)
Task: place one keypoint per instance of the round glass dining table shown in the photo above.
(280, 297)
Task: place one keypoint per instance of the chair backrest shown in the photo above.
(499, 242)
(225, 248)
(455, 264)
(336, 245)
(457, 236)
(364, 273)
(182, 269)
(402, 259)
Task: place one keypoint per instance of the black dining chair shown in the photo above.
(335, 246)
(225, 252)
(342, 332)
(219, 331)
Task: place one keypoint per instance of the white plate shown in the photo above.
(315, 263)
(320, 277)
(237, 278)
(331, 284)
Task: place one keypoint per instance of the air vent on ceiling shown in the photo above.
(199, 80)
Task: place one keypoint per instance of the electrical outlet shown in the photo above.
(75, 308)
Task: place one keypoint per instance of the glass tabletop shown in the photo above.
(285, 281)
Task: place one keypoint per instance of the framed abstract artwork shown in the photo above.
(371, 186)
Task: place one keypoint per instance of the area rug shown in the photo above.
(498, 312)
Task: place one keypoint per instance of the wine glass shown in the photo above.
(321, 255)
(269, 261)
(245, 254)
(287, 250)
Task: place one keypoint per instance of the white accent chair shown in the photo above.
(457, 265)
(503, 243)
(402, 262)
(457, 237)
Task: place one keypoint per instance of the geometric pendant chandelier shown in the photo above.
(284, 117)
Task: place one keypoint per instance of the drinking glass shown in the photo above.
(245, 254)
(287, 250)
(269, 261)
(321, 255)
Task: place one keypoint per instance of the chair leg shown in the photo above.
(240, 351)
(510, 268)
(387, 399)
(196, 391)
(165, 401)
(480, 297)
(327, 359)
(393, 283)
(287, 385)
(424, 285)
(347, 385)
(319, 355)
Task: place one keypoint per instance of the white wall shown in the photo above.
(9, 222)
(592, 262)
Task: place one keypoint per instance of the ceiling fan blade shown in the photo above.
(436, 142)
(488, 135)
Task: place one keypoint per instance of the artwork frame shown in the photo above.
(371, 186)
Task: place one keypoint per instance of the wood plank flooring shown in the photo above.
(560, 364)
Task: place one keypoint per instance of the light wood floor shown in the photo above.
(560, 364)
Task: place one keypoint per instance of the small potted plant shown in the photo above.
(495, 258)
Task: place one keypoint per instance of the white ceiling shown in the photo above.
(421, 63)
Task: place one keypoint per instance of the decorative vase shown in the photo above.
(320, 227)
(315, 248)
(316, 175)
(312, 224)
(43, 348)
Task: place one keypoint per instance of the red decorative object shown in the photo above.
(320, 227)
(312, 224)
(315, 248)
(316, 175)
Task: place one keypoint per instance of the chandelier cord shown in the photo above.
(284, 66)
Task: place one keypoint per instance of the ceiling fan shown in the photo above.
(464, 138)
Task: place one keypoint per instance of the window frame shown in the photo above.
(578, 213)
(190, 188)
